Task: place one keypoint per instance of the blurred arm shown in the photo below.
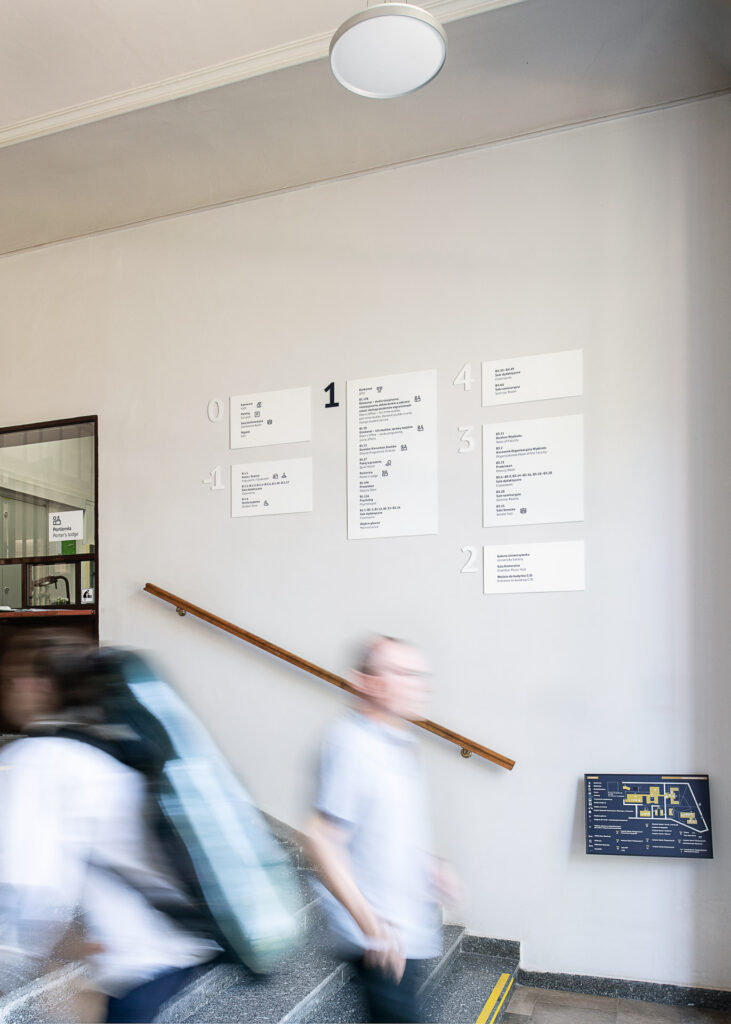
(39, 883)
(326, 847)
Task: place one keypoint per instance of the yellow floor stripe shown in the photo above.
(494, 996)
(499, 1005)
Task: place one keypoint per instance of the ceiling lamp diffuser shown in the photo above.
(388, 50)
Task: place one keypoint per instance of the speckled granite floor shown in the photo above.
(550, 1006)
(456, 997)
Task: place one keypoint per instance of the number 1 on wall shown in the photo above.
(215, 479)
(330, 390)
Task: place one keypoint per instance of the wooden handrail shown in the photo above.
(467, 747)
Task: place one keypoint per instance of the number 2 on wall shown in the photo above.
(471, 563)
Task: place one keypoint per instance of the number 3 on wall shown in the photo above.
(467, 441)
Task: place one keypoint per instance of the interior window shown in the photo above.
(48, 521)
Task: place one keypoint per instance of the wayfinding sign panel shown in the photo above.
(648, 815)
(392, 455)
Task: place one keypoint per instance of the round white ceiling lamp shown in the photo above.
(388, 50)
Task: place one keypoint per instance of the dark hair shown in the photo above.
(364, 659)
(53, 654)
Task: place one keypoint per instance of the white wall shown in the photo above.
(611, 238)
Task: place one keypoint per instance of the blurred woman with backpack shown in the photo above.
(76, 839)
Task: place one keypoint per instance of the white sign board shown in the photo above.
(392, 455)
(271, 417)
(533, 378)
(534, 568)
(66, 526)
(271, 488)
(533, 471)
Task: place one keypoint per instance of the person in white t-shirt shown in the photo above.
(74, 843)
(369, 836)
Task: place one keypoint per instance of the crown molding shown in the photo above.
(265, 61)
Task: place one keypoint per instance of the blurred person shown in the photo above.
(369, 836)
(75, 837)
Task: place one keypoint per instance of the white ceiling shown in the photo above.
(55, 55)
(114, 112)
(63, 64)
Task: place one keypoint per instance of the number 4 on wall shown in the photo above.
(464, 378)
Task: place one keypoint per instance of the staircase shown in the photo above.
(317, 988)
(470, 981)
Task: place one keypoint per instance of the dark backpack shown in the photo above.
(238, 883)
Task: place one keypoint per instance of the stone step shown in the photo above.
(294, 995)
(455, 993)
(345, 1004)
(314, 988)
(60, 995)
(475, 982)
(64, 994)
(227, 993)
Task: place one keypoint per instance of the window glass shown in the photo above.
(46, 472)
(52, 585)
(48, 517)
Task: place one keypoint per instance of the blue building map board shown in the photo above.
(648, 815)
